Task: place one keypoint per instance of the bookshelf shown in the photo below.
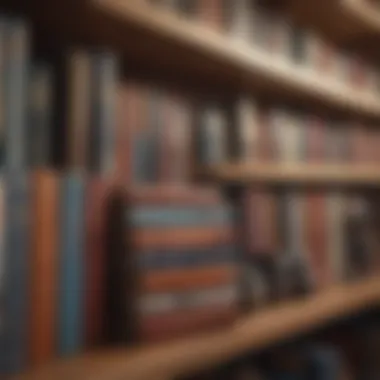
(232, 61)
(297, 174)
(253, 332)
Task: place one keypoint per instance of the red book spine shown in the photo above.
(187, 279)
(43, 264)
(95, 258)
(177, 324)
(316, 236)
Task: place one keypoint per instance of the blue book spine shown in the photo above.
(16, 66)
(39, 116)
(171, 216)
(105, 75)
(14, 273)
(71, 278)
(146, 143)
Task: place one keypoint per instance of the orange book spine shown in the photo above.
(44, 246)
(186, 279)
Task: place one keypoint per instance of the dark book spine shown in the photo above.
(71, 276)
(96, 209)
(16, 55)
(39, 116)
(15, 273)
(104, 73)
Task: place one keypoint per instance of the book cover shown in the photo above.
(104, 74)
(43, 266)
(40, 110)
(16, 57)
(15, 273)
(71, 266)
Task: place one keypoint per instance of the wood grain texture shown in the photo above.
(43, 263)
(298, 174)
(189, 356)
(247, 67)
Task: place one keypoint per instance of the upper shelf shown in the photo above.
(186, 357)
(193, 47)
(298, 174)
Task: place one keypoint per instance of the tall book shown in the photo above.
(16, 60)
(40, 105)
(15, 272)
(316, 238)
(97, 194)
(71, 266)
(43, 267)
(174, 155)
(77, 105)
(104, 73)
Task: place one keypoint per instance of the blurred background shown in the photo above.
(189, 189)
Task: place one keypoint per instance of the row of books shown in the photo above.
(58, 107)
(272, 134)
(280, 38)
(52, 282)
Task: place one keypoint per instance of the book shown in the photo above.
(15, 273)
(97, 193)
(212, 136)
(211, 14)
(77, 91)
(175, 142)
(16, 65)
(241, 20)
(43, 263)
(178, 324)
(70, 338)
(104, 74)
(182, 278)
(40, 110)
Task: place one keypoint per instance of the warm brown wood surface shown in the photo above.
(253, 332)
(300, 174)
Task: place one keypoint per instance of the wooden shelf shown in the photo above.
(299, 174)
(191, 46)
(189, 356)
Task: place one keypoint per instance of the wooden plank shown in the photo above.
(299, 174)
(186, 357)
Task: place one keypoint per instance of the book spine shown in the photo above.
(16, 273)
(177, 324)
(71, 276)
(104, 73)
(43, 264)
(40, 114)
(211, 14)
(185, 279)
(161, 216)
(182, 237)
(96, 212)
(17, 59)
(78, 86)
(189, 258)
(155, 304)
(175, 139)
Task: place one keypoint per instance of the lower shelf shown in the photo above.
(187, 356)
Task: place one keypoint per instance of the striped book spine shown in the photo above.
(16, 65)
(40, 116)
(71, 276)
(104, 73)
(15, 273)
